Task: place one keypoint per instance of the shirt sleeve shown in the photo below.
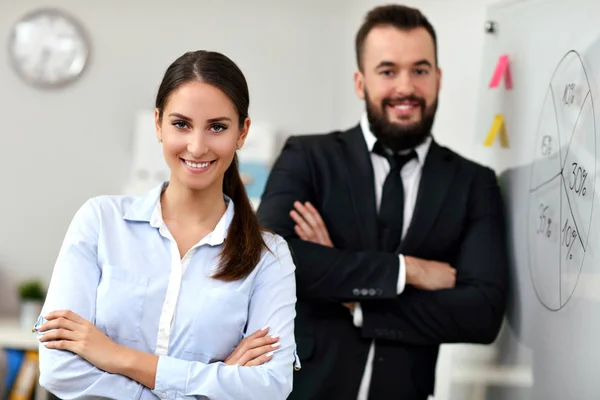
(401, 276)
(357, 316)
(73, 287)
(272, 304)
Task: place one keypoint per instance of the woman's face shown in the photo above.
(200, 133)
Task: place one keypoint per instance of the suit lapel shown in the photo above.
(362, 187)
(438, 172)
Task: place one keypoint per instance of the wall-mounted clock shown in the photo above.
(48, 48)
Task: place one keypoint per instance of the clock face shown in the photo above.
(48, 48)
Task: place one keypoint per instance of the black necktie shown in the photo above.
(391, 210)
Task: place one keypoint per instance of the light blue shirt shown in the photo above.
(119, 268)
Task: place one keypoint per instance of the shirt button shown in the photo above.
(163, 396)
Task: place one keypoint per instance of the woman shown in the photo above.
(153, 295)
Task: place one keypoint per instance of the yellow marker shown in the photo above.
(497, 127)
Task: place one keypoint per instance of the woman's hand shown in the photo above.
(68, 331)
(254, 350)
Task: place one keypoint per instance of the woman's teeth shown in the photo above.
(197, 165)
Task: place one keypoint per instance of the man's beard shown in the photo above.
(397, 137)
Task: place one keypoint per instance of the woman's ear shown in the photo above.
(244, 133)
(157, 123)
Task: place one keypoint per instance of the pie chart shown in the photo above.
(562, 183)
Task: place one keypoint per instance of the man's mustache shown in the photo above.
(388, 101)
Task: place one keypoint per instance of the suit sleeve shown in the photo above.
(473, 310)
(321, 272)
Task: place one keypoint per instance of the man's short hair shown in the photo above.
(401, 17)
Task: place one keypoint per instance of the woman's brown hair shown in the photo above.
(244, 243)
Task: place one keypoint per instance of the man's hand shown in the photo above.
(309, 224)
(429, 275)
(311, 228)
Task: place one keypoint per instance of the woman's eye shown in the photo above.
(218, 128)
(180, 124)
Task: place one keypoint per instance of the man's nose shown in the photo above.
(404, 84)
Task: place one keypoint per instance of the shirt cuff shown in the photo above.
(401, 276)
(171, 376)
(357, 316)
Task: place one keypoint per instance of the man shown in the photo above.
(399, 242)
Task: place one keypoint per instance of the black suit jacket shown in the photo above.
(458, 219)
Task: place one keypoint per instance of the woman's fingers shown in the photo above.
(256, 340)
(254, 344)
(257, 352)
(59, 334)
(259, 342)
(260, 333)
(67, 314)
(59, 323)
(259, 360)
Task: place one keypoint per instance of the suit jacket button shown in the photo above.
(371, 292)
(356, 292)
(364, 292)
(378, 292)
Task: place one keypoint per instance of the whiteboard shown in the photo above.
(548, 176)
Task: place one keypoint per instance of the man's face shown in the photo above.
(399, 82)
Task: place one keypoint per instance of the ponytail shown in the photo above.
(244, 243)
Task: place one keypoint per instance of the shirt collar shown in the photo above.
(370, 140)
(147, 208)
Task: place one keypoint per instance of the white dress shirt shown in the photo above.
(411, 177)
(119, 267)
